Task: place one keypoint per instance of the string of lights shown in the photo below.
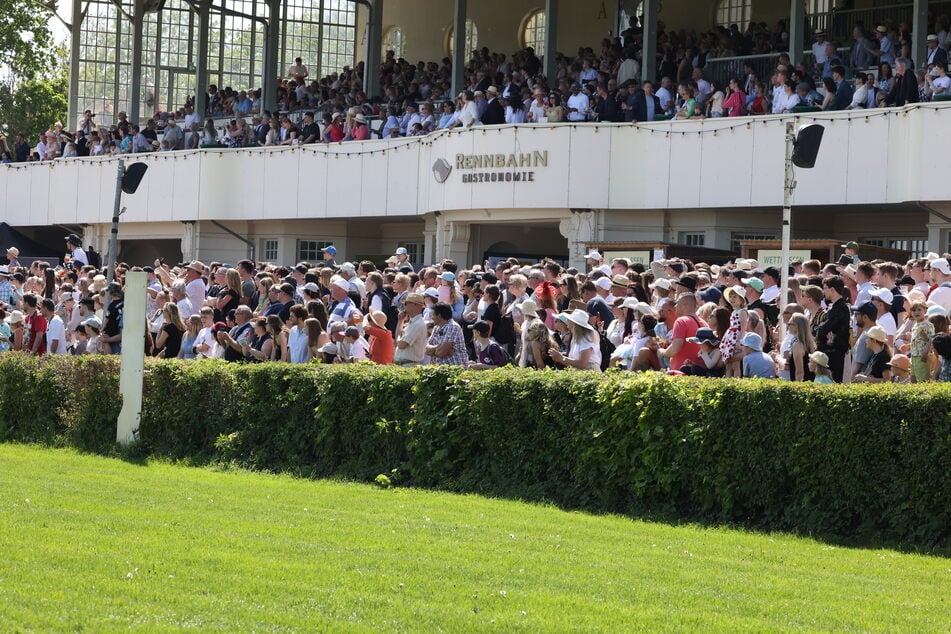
(349, 149)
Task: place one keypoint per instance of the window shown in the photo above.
(817, 6)
(269, 251)
(624, 18)
(415, 252)
(917, 246)
(309, 250)
(395, 41)
(692, 239)
(472, 38)
(533, 31)
(734, 12)
(736, 237)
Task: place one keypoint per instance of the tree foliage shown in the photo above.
(26, 43)
(31, 106)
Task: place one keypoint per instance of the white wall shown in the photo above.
(889, 158)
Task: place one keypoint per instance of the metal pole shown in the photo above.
(788, 187)
(201, 60)
(649, 50)
(114, 239)
(551, 38)
(459, 53)
(797, 30)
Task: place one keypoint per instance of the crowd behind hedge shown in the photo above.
(844, 321)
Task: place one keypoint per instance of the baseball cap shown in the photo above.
(332, 250)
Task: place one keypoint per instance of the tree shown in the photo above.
(26, 44)
(32, 106)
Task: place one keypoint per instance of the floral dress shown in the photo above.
(732, 336)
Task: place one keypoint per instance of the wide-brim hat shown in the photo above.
(415, 298)
(360, 118)
(74, 239)
(15, 317)
(900, 361)
(620, 280)
(580, 318)
(342, 284)
(378, 317)
(5, 271)
(752, 340)
(197, 266)
(528, 307)
(820, 358)
(14, 251)
(594, 255)
(877, 333)
(731, 291)
(704, 335)
(492, 90)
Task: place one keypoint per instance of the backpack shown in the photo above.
(507, 358)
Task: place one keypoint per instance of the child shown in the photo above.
(739, 323)
(901, 369)
(922, 334)
(358, 344)
(709, 354)
(819, 366)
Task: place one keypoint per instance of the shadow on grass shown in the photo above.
(140, 454)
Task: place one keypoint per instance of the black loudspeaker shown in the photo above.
(806, 145)
(133, 176)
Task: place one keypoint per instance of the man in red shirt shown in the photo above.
(35, 325)
(680, 351)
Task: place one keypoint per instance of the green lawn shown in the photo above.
(94, 544)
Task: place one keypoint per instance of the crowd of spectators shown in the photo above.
(602, 84)
(849, 320)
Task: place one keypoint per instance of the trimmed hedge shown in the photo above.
(865, 463)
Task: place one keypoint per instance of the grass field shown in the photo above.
(94, 544)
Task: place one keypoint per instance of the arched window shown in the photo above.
(472, 38)
(734, 12)
(395, 41)
(625, 15)
(533, 31)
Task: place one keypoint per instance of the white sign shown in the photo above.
(634, 257)
(774, 257)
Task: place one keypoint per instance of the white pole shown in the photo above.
(133, 357)
(789, 186)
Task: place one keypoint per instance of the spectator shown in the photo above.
(756, 363)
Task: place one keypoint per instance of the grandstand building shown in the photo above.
(529, 190)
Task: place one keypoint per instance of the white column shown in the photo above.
(579, 229)
(189, 241)
(133, 358)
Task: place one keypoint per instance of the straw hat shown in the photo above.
(877, 333)
(821, 359)
(901, 361)
(378, 317)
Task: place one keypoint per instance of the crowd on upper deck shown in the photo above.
(603, 84)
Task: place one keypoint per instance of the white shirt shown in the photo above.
(297, 345)
(470, 115)
(358, 349)
(770, 294)
(664, 96)
(185, 308)
(942, 84)
(56, 331)
(205, 336)
(819, 52)
(581, 102)
(196, 293)
(190, 119)
(415, 336)
(703, 89)
(80, 256)
(942, 297)
(887, 322)
(578, 346)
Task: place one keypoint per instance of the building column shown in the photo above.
(74, 114)
(797, 30)
(649, 44)
(919, 33)
(272, 40)
(551, 38)
(579, 230)
(201, 60)
(189, 241)
(135, 89)
(459, 43)
(374, 54)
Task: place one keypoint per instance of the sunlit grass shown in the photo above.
(97, 544)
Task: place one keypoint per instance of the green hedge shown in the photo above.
(865, 463)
